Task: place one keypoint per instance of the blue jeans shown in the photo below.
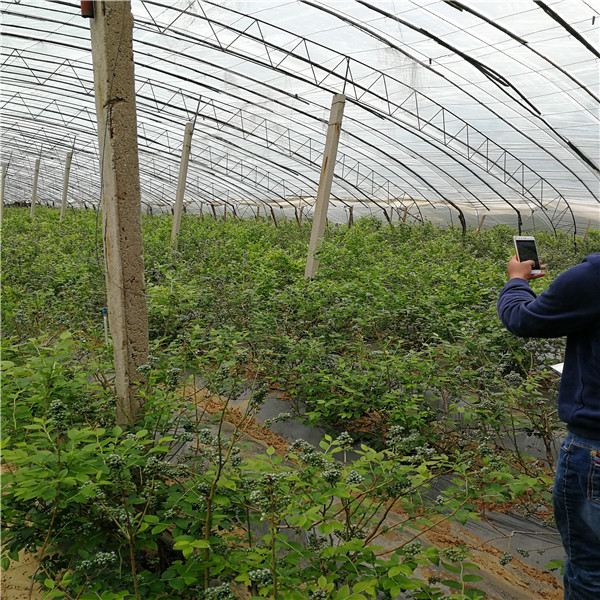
(577, 512)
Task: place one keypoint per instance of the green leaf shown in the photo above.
(367, 586)
(452, 568)
(452, 584)
(343, 593)
(472, 578)
(49, 583)
(475, 594)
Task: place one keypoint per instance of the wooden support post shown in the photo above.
(36, 174)
(63, 205)
(2, 185)
(214, 212)
(325, 181)
(405, 214)
(587, 229)
(112, 54)
(480, 225)
(273, 215)
(183, 169)
(350, 216)
(298, 216)
(257, 212)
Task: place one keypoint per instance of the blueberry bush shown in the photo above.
(394, 348)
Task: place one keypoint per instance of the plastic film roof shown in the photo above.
(454, 110)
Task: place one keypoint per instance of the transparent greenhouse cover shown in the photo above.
(453, 109)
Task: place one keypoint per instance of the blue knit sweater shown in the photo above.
(570, 306)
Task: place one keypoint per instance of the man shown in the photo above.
(570, 306)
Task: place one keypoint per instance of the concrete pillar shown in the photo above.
(36, 174)
(322, 203)
(480, 225)
(587, 229)
(273, 215)
(63, 205)
(183, 169)
(112, 54)
(4, 171)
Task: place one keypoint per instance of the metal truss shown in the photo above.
(262, 141)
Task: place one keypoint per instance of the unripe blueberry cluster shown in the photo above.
(57, 413)
(144, 369)
(261, 577)
(220, 592)
(115, 462)
(101, 560)
(156, 467)
(454, 554)
(173, 375)
(332, 474)
(344, 441)
(411, 550)
(354, 478)
(281, 417)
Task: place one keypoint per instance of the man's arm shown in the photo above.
(570, 304)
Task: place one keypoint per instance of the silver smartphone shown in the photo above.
(526, 250)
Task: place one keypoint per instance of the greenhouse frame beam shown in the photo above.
(471, 150)
(463, 7)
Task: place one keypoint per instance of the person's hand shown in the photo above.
(522, 270)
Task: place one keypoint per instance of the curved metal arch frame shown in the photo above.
(382, 75)
(471, 151)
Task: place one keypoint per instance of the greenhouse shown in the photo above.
(254, 256)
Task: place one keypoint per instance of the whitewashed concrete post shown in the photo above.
(183, 169)
(63, 204)
(327, 170)
(2, 186)
(112, 53)
(36, 174)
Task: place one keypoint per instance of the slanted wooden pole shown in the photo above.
(183, 169)
(36, 174)
(273, 215)
(587, 229)
(480, 225)
(112, 54)
(63, 205)
(325, 181)
(4, 171)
